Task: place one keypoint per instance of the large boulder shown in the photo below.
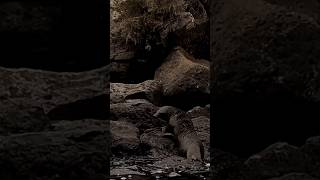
(150, 90)
(48, 90)
(138, 112)
(72, 152)
(265, 53)
(185, 80)
(312, 149)
(309, 7)
(264, 72)
(276, 160)
(30, 98)
(21, 118)
(160, 145)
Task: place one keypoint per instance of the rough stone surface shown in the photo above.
(150, 90)
(312, 149)
(185, 80)
(47, 90)
(276, 160)
(80, 153)
(161, 145)
(138, 112)
(264, 72)
(295, 176)
(124, 137)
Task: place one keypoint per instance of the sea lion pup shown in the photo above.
(183, 130)
(166, 112)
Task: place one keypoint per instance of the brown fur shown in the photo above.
(187, 137)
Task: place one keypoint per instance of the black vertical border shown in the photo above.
(104, 43)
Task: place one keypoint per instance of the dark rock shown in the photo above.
(71, 154)
(266, 53)
(276, 160)
(48, 90)
(124, 138)
(161, 145)
(294, 176)
(138, 112)
(312, 149)
(308, 7)
(95, 107)
(21, 118)
(265, 72)
(195, 40)
(27, 96)
(185, 80)
(225, 165)
(119, 72)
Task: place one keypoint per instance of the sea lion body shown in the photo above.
(184, 131)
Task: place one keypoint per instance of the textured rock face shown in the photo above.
(138, 112)
(264, 71)
(185, 80)
(20, 119)
(265, 53)
(312, 149)
(48, 90)
(150, 90)
(277, 161)
(124, 137)
(41, 135)
(72, 150)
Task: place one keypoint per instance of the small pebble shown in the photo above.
(129, 176)
(208, 165)
(157, 177)
(123, 178)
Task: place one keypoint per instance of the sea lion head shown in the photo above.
(166, 112)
